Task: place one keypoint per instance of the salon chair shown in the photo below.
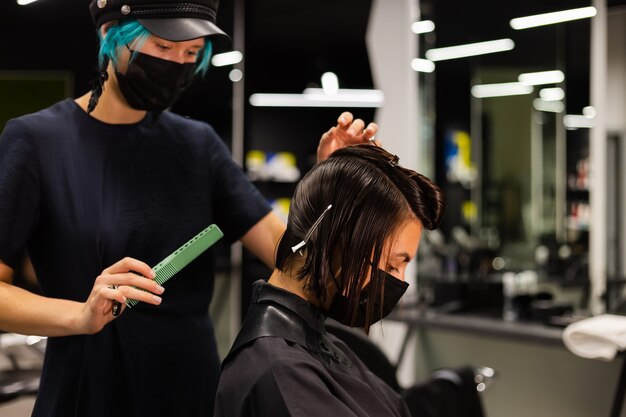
(21, 358)
(449, 392)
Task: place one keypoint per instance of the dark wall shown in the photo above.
(59, 35)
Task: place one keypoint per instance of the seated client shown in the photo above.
(354, 224)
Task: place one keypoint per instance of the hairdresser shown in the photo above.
(96, 190)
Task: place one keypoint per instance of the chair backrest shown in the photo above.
(449, 392)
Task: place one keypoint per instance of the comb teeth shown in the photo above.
(182, 256)
(165, 273)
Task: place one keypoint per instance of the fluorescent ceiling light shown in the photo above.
(25, 2)
(541, 77)
(227, 58)
(422, 65)
(576, 121)
(315, 97)
(552, 18)
(423, 26)
(551, 94)
(500, 90)
(548, 106)
(470, 49)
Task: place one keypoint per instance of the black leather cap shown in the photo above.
(168, 19)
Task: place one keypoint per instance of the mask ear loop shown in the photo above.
(310, 232)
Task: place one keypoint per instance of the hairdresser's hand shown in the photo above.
(116, 284)
(347, 132)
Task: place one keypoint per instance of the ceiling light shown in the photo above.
(551, 94)
(541, 77)
(470, 49)
(227, 58)
(25, 2)
(423, 26)
(552, 18)
(235, 75)
(500, 90)
(589, 112)
(575, 121)
(548, 106)
(422, 65)
(315, 97)
(330, 83)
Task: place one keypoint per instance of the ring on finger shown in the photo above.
(117, 306)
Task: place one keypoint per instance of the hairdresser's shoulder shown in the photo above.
(44, 119)
(190, 124)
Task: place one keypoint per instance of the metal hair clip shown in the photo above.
(394, 161)
(311, 230)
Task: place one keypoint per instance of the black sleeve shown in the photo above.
(238, 205)
(19, 191)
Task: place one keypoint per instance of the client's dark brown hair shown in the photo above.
(371, 196)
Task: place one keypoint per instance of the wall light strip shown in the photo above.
(552, 18)
(422, 65)
(500, 90)
(541, 77)
(226, 58)
(552, 94)
(423, 26)
(576, 121)
(315, 97)
(548, 106)
(470, 49)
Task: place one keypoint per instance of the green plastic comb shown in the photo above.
(182, 256)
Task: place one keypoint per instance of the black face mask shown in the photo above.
(152, 83)
(394, 289)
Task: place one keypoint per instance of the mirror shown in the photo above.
(505, 156)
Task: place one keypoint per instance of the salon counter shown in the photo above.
(536, 375)
(480, 325)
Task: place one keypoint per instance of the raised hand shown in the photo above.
(349, 131)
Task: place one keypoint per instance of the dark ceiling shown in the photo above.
(288, 44)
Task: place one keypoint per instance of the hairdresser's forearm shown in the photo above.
(26, 313)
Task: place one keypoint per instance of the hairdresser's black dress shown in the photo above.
(79, 195)
(283, 363)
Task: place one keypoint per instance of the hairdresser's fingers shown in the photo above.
(139, 295)
(130, 264)
(355, 131)
(344, 119)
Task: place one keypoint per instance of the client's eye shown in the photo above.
(391, 268)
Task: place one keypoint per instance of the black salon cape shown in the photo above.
(80, 195)
(283, 363)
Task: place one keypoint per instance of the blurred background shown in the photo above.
(516, 109)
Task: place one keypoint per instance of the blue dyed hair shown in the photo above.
(129, 31)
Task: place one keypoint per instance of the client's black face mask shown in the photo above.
(152, 83)
(394, 289)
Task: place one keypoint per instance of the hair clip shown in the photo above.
(311, 230)
(394, 161)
